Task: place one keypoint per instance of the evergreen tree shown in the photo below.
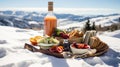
(119, 23)
(119, 20)
(87, 26)
(93, 26)
(100, 28)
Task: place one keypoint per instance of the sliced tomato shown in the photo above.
(86, 47)
(56, 49)
(52, 50)
(59, 49)
(81, 46)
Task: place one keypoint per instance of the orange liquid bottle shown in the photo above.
(50, 21)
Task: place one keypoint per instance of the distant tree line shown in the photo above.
(112, 27)
(91, 26)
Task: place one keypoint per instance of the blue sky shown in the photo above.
(112, 4)
(73, 6)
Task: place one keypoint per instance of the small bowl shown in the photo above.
(46, 46)
(78, 50)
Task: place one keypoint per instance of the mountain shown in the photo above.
(21, 19)
(18, 19)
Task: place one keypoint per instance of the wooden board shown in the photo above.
(64, 54)
(33, 49)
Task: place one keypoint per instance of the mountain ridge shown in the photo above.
(21, 19)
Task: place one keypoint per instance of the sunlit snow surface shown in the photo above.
(13, 54)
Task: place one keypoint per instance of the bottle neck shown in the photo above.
(50, 13)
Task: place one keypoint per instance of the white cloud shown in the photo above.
(70, 10)
(87, 10)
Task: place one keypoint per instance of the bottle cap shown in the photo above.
(50, 6)
(50, 3)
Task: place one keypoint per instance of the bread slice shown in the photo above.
(94, 42)
(86, 37)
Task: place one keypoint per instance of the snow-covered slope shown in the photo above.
(7, 20)
(21, 19)
(112, 34)
(107, 20)
(13, 54)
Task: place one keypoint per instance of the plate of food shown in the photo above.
(44, 42)
(79, 48)
(47, 42)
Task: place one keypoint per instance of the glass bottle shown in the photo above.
(50, 21)
(66, 45)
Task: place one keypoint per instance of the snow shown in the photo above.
(113, 34)
(105, 21)
(73, 24)
(13, 54)
(33, 22)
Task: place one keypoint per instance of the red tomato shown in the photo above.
(86, 47)
(81, 46)
(52, 50)
(56, 49)
(59, 49)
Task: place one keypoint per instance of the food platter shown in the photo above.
(64, 54)
(53, 47)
